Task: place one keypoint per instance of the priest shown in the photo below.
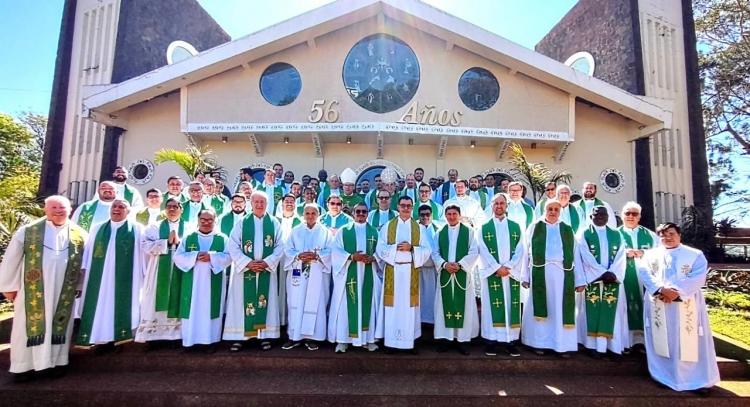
(125, 191)
(518, 210)
(570, 214)
(590, 200)
(203, 256)
(403, 249)
(273, 192)
(174, 190)
(335, 218)
(472, 213)
(383, 213)
(454, 254)
(349, 196)
(109, 307)
(425, 194)
(502, 251)
(679, 344)
(96, 210)
(428, 275)
(160, 298)
(234, 216)
(256, 247)
(152, 212)
(288, 220)
(356, 286)
(39, 274)
(602, 318)
(308, 267)
(194, 204)
(549, 315)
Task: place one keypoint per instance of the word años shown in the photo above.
(430, 116)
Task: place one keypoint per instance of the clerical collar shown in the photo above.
(49, 222)
(500, 219)
(624, 227)
(205, 234)
(403, 221)
(589, 200)
(117, 224)
(551, 224)
(454, 226)
(193, 203)
(311, 227)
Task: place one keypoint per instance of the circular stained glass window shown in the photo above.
(478, 89)
(280, 84)
(381, 73)
(612, 180)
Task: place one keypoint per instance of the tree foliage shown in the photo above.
(535, 175)
(14, 138)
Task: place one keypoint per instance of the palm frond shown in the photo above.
(534, 175)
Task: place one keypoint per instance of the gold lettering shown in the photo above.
(456, 119)
(444, 117)
(411, 114)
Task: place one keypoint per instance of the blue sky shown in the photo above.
(30, 30)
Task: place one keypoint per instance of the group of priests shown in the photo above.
(195, 266)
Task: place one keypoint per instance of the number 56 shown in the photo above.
(321, 110)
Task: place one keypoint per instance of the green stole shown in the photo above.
(376, 217)
(374, 199)
(341, 220)
(574, 220)
(597, 202)
(86, 216)
(165, 196)
(143, 216)
(186, 291)
(538, 281)
(415, 212)
(445, 191)
(453, 286)
(33, 277)
(256, 285)
(227, 223)
(168, 277)
(495, 283)
(218, 204)
(482, 198)
(529, 212)
(352, 290)
(127, 193)
(186, 210)
(124, 247)
(601, 299)
(633, 292)
(350, 200)
(388, 274)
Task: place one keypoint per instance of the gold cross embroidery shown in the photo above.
(372, 240)
(458, 315)
(488, 236)
(497, 303)
(351, 284)
(495, 286)
(515, 235)
(192, 247)
(449, 315)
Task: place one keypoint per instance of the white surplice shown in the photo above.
(287, 224)
(308, 292)
(234, 326)
(200, 328)
(102, 330)
(684, 269)
(338, 318)
(591, 269)
(470, 327)
(516, 262)
(54, 263)
(548, 333)
(400, 323)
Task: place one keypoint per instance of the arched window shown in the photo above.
(179, 51)
(582, 62)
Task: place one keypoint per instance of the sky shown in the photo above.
(30, 30)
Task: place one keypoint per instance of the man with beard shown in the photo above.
(288, 180)
(152, 213)
(309, 196)
(174, 190)
(489, 185)
(160, 302)
(504, 185)
(428, 275)
(125, 191)
(305, 181)
(333, 188)
(349, 197)
(288, 219)
(371, 199)
(356, 286)
(278, 171)
(471, 212)
(96, 210)
(590, 200)
(212, 198)
(569, 214)
(419, 176)
(478, 193)
(446, 190)
(322, 180)
(235, 215)
(364, 189)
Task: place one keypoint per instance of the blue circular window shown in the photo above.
(280, 84)
(478, 89)
(381, 73)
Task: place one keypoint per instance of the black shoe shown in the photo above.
(209, 349)
(104, 349)
(540, 352)
(24, 377)
(387, 350)
(702, 392)
(490, 349)
(290, 344)
(593, 354)
(442, 347)
(463, 348)
(57, 372)
(563, 355)
(512, 350)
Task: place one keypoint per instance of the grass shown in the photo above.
(731, 323)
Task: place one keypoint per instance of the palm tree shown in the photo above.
(535, 175)
(194, 160)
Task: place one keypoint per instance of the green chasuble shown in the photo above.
(33, 287)
(388, 283)
(142, 216)
(128, 193)
(633, 291)
(86, 215)
(341, 220)
(495, 283)
(256, 285)
(226, 222)
(186, 210)
(538, 270)
(453, 285)
(186, 291)
(218, 202)
(351, 200)
(124, 247)
(601, 298)
(353, 307)
(168, 277)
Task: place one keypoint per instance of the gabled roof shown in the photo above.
(333, 16)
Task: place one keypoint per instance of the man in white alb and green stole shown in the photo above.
(403, 249)
(125, 191)
(356, 286)
(679, 344)
(288, 219)
(335, 219)
(454, 254)
(602, 310)
(308, 280)
(203, 256)
(253, 300)
(570, 214)
(383, 213)
(502, 250)
(273, 192)
(590, 201)
(425, 193)
(636, 239)
(518, 210)
(227, 221)
(109, 307)
(193, 206)
(96, 210)
(549, 315)
(40, 273)
(428, 274)
(160, 299)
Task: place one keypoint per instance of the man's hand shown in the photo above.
(525, 284)
(502, 271)
(257, 266)
(362, 257)
(668, 294)
(11, 295)
(204, 256)
(634, 253)
(452, 267)
(404, 247)
(172, 239)
(580, 288)
(609, 277)
(307, 256)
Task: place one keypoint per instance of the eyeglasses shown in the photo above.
(334, 203)
(360, 211)
(632, 213)
(550, 189)
(383, 198)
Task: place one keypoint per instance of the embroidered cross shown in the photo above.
(351, 284)
(610, 299)
(495, 286)
(515, 301)
(192, 247)
(493, 252)
(249, 276)
(488, 236)
(515, 235)
(449, 315)
(458, 315)
(123, 332)
(371, 241)
(593, 298)
(497, 303)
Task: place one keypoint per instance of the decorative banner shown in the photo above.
(371, 127)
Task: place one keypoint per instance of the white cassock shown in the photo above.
(100, 215)
(338, 318)
(591, 269)
(102, 330)
(155, 325)
(691, 363)
(427, 281)
(586, 205)
(516, 262)
(234, 326)
(54, 263)
(286, 231)
(548, 333)
(308, 291)
(199, 328)
(470, 208)
(471, 317)
(400, 323)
